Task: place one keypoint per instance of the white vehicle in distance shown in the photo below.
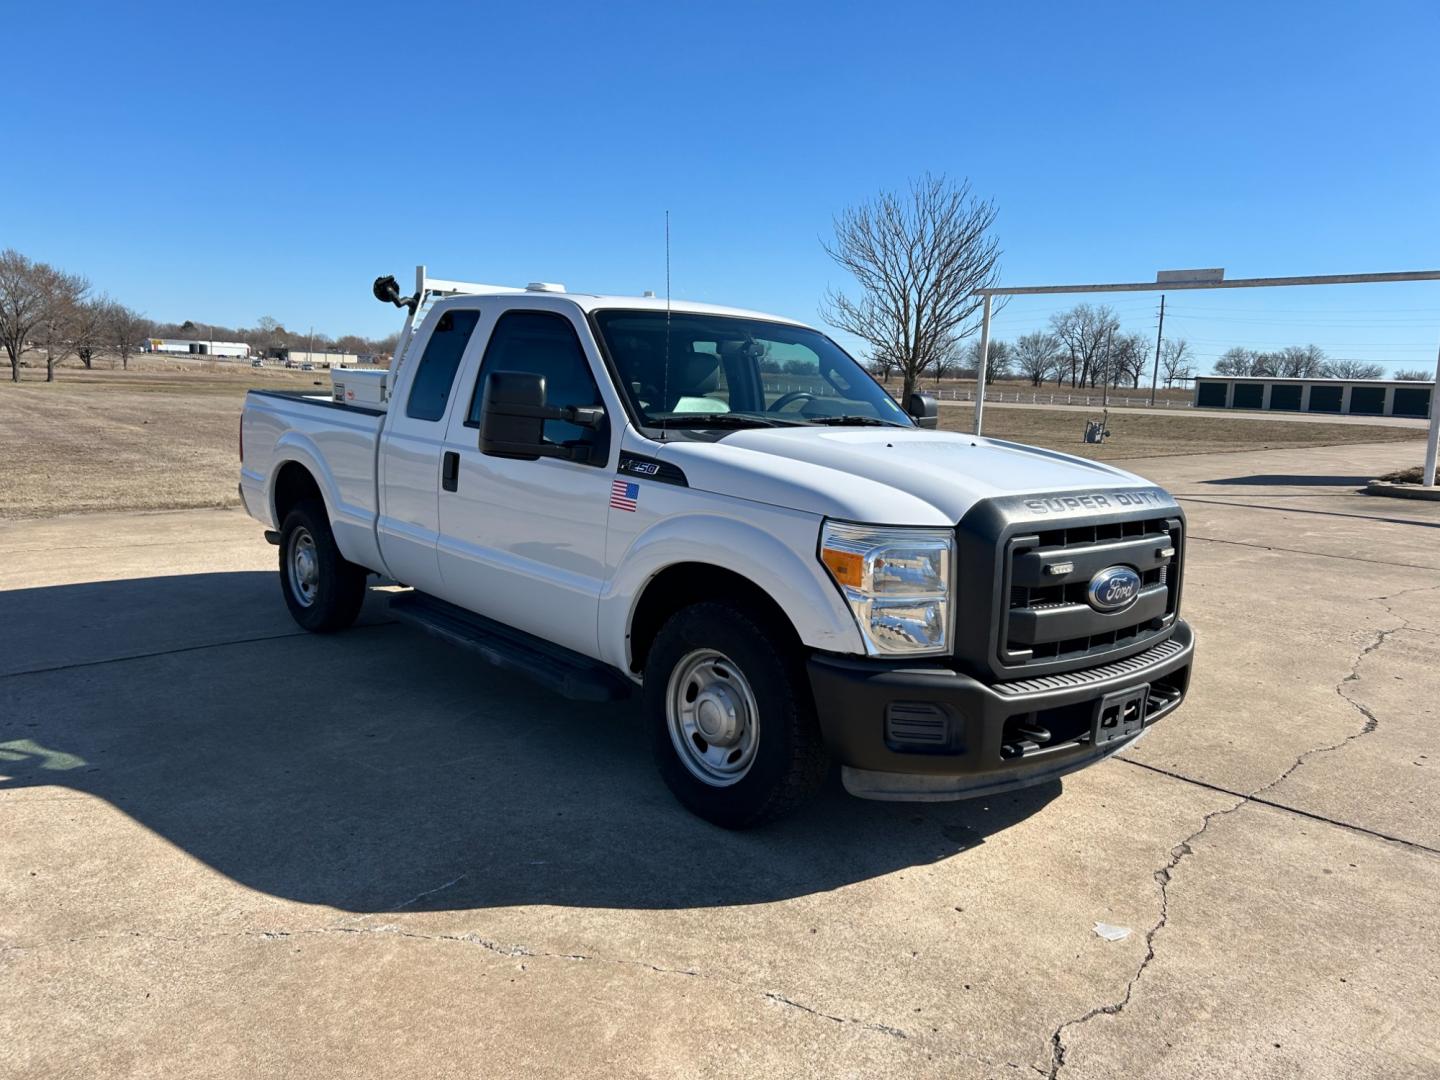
(722, 513)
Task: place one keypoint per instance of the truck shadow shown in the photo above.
(377, 770)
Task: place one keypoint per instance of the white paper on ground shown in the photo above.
(1112, 933)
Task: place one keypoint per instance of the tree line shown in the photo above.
(47, 310)
(1084, 346)
(1303, 362)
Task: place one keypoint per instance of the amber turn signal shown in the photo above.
(844, 566)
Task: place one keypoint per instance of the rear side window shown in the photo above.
(436, 374)
(543, 343)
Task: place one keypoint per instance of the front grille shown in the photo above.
(1048, 617)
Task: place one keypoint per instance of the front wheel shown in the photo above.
(323, 590)
(731, 716)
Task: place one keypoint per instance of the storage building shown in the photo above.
(1362, 397)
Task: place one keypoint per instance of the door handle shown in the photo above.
(450, 471)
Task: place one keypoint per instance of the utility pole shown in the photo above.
(1155, 375)
(1105, 379)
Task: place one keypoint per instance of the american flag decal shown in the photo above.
(623, 495)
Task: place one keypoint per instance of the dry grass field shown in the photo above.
(1144, 434)
(164, 435)
(152, 438)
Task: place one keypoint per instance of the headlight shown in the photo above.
(896, 581)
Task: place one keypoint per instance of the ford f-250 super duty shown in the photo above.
(723, 511)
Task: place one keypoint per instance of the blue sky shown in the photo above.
(221, 162)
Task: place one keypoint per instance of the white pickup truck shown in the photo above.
(723, 512)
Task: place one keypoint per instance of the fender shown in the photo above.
(353, 524)
(772, 561)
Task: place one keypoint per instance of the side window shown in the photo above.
(543, 343)
(436, 373)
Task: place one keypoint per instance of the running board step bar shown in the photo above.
(552, 666)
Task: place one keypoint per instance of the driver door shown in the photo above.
(523, 542)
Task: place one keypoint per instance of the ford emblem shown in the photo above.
(1113, 588)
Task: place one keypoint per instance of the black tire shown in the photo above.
(788, 762)
(336, 590)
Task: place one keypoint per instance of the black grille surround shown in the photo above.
(1017, 617)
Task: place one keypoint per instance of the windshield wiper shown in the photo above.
(715, 420)
(851, 419)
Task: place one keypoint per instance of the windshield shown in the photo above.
(733, 372)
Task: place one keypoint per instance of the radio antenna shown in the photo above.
(665, 369)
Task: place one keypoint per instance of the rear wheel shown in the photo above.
(323, 590)
(731, 717)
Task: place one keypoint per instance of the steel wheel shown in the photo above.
(713, 719)
(303, 566)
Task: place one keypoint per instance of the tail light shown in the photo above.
(242, 438)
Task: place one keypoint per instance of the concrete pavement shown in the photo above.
(232, 849)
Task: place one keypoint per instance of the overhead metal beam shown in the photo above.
(1234, 283)
(1433, 437)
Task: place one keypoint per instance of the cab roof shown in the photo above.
(588, 302)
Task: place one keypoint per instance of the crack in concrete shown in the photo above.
(1372, 722)
(504, 949)
(429, 892)
(223, 644)
(1163, 877)
(1166, 873)
(1260, 800)
(886, 1029)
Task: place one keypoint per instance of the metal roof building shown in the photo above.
(196, 347)
(1362, 397)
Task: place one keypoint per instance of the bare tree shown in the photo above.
(1236, 361)
(22, 305)
(64, 293)
(917, 257)
(1124, 359)
(1265, 363)
(1414, 375)
(997, 364)
(1083, 331)
(1300, 361)
(1291, 362)
(126, 327)
(1353, 369)
(1175, 361)
(90, 330)
(1037, 356)
(386, 346)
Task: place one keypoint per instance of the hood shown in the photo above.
(892, 476)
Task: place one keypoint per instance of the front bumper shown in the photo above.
(931, 733)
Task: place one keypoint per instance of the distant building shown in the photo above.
(1361, 397)
(186, 347)
(321, 358)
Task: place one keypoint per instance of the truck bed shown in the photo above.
(336, 442)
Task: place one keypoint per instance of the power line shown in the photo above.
(1317, 320)
(1324, 308)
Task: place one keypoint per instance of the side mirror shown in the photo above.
(513, 414)
(923, 409)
